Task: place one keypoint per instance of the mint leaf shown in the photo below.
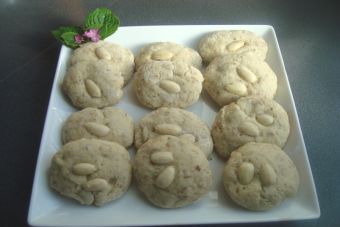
(104, 20)
(68, 39)
(61, 30)
(109, 28)
(98, 18)
(99, 24)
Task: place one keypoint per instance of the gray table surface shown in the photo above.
(308, 33)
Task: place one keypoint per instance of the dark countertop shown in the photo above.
(308, 34)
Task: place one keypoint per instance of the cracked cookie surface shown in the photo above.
(259, 176)
(111, 123)
(227, 79)
(93, 84)
(120, 56)
(176, 122)
(250, 119)
(171, 172)
(167, 84)
(221, 43)
(91, 171)
(168, 51)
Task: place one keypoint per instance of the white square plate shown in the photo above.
(47, 208)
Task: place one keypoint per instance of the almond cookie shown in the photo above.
(110, 124)
(93, 84)
(91, 171)
(259, 176)
(171, 172)
(230, 78)
(175, 122)
(220, 43)
(167, 51)
(122, 57)
(167, 84)
(250, 119)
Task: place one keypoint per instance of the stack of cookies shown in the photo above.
(174, 146)
(171, 167)
(93, 166)
(250, 128)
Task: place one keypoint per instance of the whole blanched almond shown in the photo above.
(267, 175)
(249, 129)
(118, 93)
(161, 55)
(162, 157)
(102, 53)
(246, 173)
(188, 137)
(59, 161)
(145, 133)
(83, 168)
(97, 184)
(168, 129)
(236, 154)
(170, 86)
(198, 76)
(92, 88)
(166, 177)
(118, 81)
(234, 46)
(237, 88)
(246, 74)
(265, 119)
(96, 129)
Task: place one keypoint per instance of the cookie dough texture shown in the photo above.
(168, 51)
(120, 56)
(250, 119)
(175, 122)
(91, 171)
(171, 172)
(259, 176)
(93, 84)
(220, 43)
(110, 123)
(167, 84)
(229, 78)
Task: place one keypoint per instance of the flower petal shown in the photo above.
(78, 38)
(92, 34)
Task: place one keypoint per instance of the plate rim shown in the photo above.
(33, 221)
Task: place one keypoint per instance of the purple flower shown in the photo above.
(79, 39)
(92, 34)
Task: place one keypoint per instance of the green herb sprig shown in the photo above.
(98, 25)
